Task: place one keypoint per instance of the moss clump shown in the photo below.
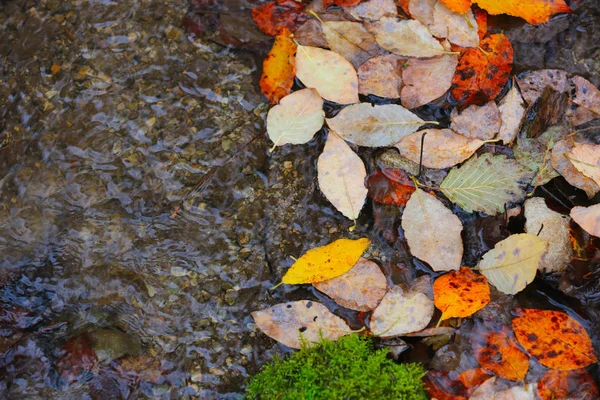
(346, 369)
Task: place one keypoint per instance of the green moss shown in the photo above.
(346, 369)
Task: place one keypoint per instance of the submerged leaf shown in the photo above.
(588, 218)
(408, 38)
(533, 11)
(575, 384)
(459, 294)
(279, 68)
(390, 186)
(272, 18)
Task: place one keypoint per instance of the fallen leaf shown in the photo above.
(473, 377)
(534, 154)
(556, 340)
(459, 6)
(341, 176)
(277, 15)
(481, 76)
(587, 97)
(485, 183)
(442, 148)
(408, 38)
(482, 23)
(574, 384)
(287, 322)
(311, 34)
(296, 118)
(404, 6)
(390, 186)
(442, 385)
(432, 232)
(427, 79)
(477, 122)
(512, 263)
(512, 111)
(326, 262)
(77, 356)
(351, 40)
(459, 29)
(374, 126)
(381, 76)
(561, 163)
(459, 294)
(328, 72)
(586, 158)
(494, 389)
(373, 10)
(532, 83)
(588, 218)
(533, 11)
(402, 311)
(346, 3)
(392, 159)
(554, 230)
(361, 288)
(422, 10)
(279, 68)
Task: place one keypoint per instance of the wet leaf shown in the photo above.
(587, 97)
(328, 72)
(459, 294)
(277, 15)
(373, 10)
(285, 323)
(390, 186)
(361, 288)
(422, 10)
(341, 176)
(477, 122)
(442, 148)
(143, 367)
(351, 40)
(311, 34)
(481, 76)
(346, 3)
(574, 384)
(533, 11)
(408, 38)
(441, 386)
(403, 311)
(513, 262)
(459, 6)
(556, 340)
(77, 357)
(432, 232)
(296, 118)
(561, 163)
(485, 184)
(381, 76)
(586, 158)
(554, 230)
(532, 83)
(326, 262)
(473, 377)
(374, 126)
(588, 218)
(494, 389)
(534, 155)
(459, 29)
(512, 109)
(279, 68)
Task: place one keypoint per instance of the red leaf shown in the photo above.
(78, 357)
(441, 386)
(272, 17)
(574, 384)
(390, 186)
(481, 18)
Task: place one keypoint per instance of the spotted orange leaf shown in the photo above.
(556, 340)
(279, 68)
(575, 384)
(442, 385)
(533, 11)
(482, 22)
(460, 293)
(390, 186)
(273, 17)
(473, 377)
(459, 6)
(480, 75)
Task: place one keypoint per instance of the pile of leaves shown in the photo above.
(507, 136)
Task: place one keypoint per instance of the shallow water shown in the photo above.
(119, 276)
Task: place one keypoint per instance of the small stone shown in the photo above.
(196, 376)
(178, 271)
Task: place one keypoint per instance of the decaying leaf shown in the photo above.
(473, 377)
(373, 10)
(554, 230)
(351, 40)
(328, 72)
(511, 110)
(361, 288)
(296, 118)
(480, 75)
(459, 29)
(277, 15)
(556, 340)
(381, 76)
(442, 148)
(532, 83)
(586, 158)
(403, 311)
(587, 97)
(459, 6)
(432, 232)
(422, 10)
(561, 163)
(341, 175)
(533, 11)
(485, 183)
(390, 186)
(477, 122)
(588, 218)
(534, 155)
(326, 262)
(575, 384)
(279, 68)
(286, 322)
(311, 34)
(459, 294)
(374, 126)
(512, 263)
(497, 390)
(442, 385)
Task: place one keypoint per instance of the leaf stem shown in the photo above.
(276, 286)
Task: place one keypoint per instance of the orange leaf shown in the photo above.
(279, 68)
(481, 75)
(441, 386)
(495, 349)
(533, 11)
(404, 5)
(473, 377)
(460, 293)
(459, 6)
(575, 384)
(556, 340)
(273, 17)
(482, 23)
(346, 3)
(390, 186)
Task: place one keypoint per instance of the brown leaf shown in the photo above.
(381, 76)
(565, 167)
(373, 10)
(351, 40)
(477, 122)
(576, 384)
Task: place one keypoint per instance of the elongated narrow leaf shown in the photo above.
(406, 38)
(512, 109)
(485, 184)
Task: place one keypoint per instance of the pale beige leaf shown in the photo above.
(588, 218)
(512, 109)
(381, 76)
(586, 158)
(454, 26)
(328, 72)
(432, 232)
(587, 97)
(561, 163)
(492, 389)
(285, 323)
(513, 262)
(374, 126)
(477, 122)
(554, 230)
(296, 118)
(351, 40)
(361, 288)
(405, 37)
(422, 10)
(442, 148)
(373, 10)
(341, 175)
(402, 311)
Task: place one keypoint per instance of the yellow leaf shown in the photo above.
(326, 262)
